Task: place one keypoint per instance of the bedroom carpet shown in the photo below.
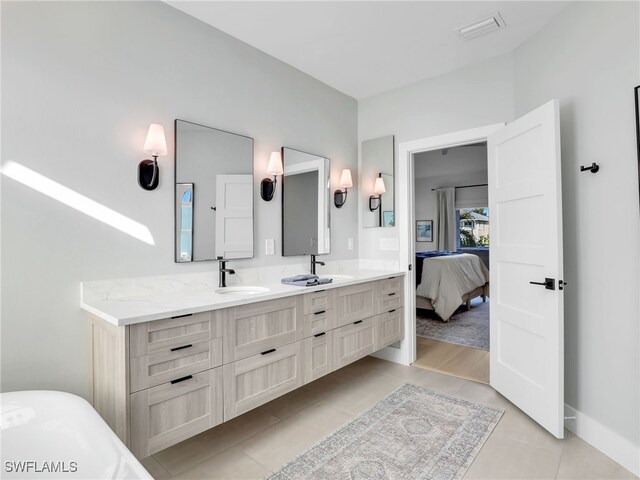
(413, 433)
(468, 328)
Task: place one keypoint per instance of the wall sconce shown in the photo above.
(339, 196)
(274, 167)
(378, 188)
(156, 146)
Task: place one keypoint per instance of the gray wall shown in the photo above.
(481, 94)
(81, 82)
(588, 57)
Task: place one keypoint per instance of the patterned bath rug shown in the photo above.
(413, 433)
(467, 328)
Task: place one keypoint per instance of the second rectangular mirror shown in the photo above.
(377, 182)
(306, 197)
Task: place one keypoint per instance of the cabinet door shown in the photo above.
(318, 300)
(254, 328)
(318, 356)
(355, 302)
(389, 328)
(354, 341)
(167, 414)
(253, 381)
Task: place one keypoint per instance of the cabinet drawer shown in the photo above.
(354, 303)
(167, 414)
(388, 285)
(316, 301)
(163, 335)
(390, 328)
(257, 327)
(318, 356)
(319, 322)
(354, 341)
(166, 365)
(253, 381)
(389, 301)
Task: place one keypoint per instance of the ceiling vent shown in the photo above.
(483, 26)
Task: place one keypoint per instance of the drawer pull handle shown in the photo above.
(318, 291)
(391, 278)
(356, 323)
(178, 380)
(392, 294)
(320, 334)
(182, 316)
(391, 311)
(268, 351)
(181, 348)
(320, 312)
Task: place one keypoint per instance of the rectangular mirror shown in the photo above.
(306, 201)
(377, 182)
(213, 193)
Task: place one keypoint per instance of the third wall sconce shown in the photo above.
(340, 196)
(268, 185)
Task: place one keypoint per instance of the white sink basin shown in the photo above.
(242, 290)
(337, 277)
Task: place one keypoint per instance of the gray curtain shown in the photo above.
(446, 219)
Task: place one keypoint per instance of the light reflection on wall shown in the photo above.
(78, 202)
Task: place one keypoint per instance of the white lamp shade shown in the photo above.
(155, 144)
(345, 179)
(378, 187)
(274, 167)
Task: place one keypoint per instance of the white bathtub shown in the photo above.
(58, 435)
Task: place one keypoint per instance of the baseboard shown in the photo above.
(619, 449)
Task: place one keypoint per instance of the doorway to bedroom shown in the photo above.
(452, 251)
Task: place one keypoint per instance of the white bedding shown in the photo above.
(446, 279)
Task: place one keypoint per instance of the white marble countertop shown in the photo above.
(135, 300)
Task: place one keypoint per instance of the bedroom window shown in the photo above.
(473, 227)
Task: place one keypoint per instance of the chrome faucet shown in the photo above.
(222, 272)
(315, 262)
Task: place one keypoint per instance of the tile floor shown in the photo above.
(259, 442)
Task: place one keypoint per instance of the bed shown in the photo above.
(446, 280)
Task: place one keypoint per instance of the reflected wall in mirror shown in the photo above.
(378, 162)
(214, 193)
(306, 201)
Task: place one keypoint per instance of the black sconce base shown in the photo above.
(267, 189)
(339, 198)
(146, 177)
(372, 200)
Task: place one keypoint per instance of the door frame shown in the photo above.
(406, 354)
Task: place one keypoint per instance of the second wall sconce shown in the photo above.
(156, 146)
(339, 196)
(268, 185)
(378, 189)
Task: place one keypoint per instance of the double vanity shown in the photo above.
(167, 365)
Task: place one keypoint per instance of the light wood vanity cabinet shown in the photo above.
(160, 382)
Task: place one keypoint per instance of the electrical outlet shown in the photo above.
(349, 243)
(270, 247)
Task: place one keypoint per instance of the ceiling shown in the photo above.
(363, 48)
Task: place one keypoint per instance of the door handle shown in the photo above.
(549, 283)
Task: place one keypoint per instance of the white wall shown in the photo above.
(589, 58)
(481, 94)
(81, 81)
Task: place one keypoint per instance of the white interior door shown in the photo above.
(234, 216)
(527, 320)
